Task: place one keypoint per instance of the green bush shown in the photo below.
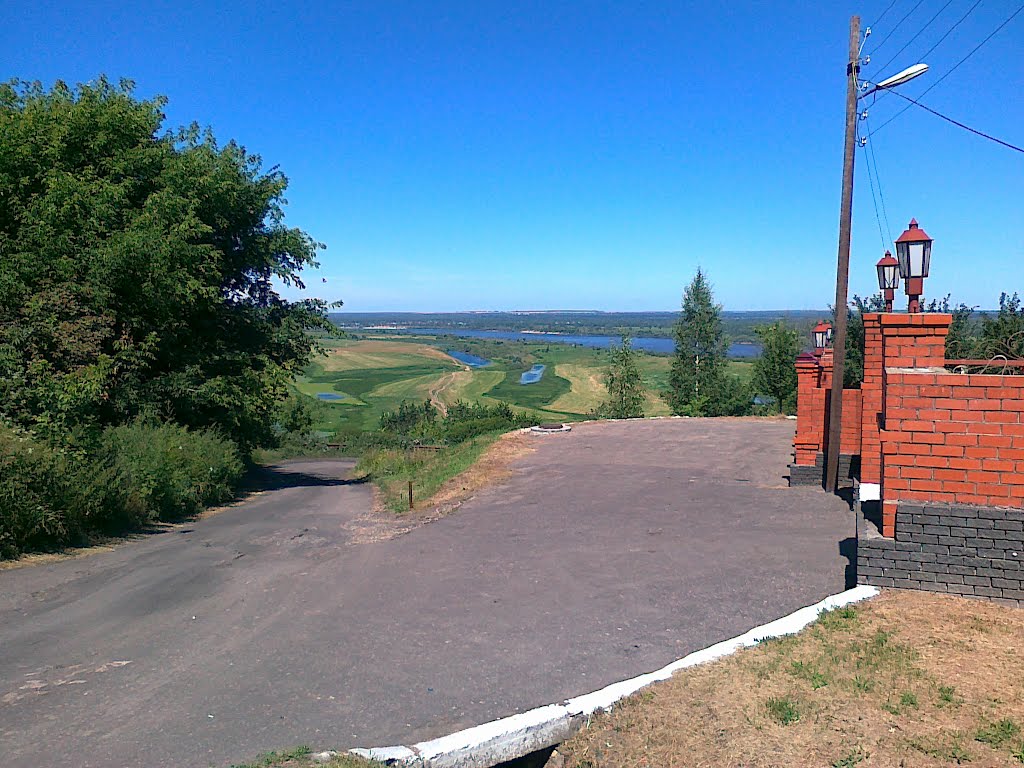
(37, 509)
(131, 476)
(167, 472)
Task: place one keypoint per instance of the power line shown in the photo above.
(938, 42)
(879, 19)
(922, 29)
(950, 30)
(959, 124)
(956, 66)
(898, 23)
(878, 178)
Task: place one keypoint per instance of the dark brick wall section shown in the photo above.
(800, 474)
(957, 548)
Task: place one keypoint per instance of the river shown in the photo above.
(646, 343)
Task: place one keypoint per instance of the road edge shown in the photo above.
(508, 738)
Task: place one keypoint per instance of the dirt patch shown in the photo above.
(909, 679)
(493, 467)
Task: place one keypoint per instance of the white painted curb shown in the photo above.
(510, 737)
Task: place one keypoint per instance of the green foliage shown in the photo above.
(421, 422)
(1003, 334)
(774, 371)
(138, 270)
(134, 475)
(998, 733)
(624, 384)
(699, 384)
(783, 710)
(165, 472)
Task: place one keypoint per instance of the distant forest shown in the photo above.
(738, 325)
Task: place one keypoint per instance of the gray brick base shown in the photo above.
(849, 468)
(956, 548)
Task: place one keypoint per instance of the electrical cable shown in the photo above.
(938, 42)
(879, 19)
(959, 124)
(878, 178)
(893, 30)
(871, 183)
(922, 29)
(956, 66)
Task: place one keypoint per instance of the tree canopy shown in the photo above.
(139, 270)
(624, 384)
(699, 384)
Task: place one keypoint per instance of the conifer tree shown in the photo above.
(699, 384)
(623, 382)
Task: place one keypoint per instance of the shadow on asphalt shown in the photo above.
(277, 478)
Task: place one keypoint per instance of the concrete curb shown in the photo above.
(510, 737)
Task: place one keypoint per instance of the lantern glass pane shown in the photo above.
(916, 259)
(892, 277)
(927, 258)
(902, 257)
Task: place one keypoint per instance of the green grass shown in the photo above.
(391, 469)
(537, 396)
(301, 757)
(782, 710)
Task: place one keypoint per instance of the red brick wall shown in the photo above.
(871, 401)
(849, 439)
(952, 438)
(814, 380)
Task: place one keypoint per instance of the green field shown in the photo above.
(375, 374)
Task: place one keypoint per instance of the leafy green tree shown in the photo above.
(1002, 335)
(699, 384)
(139, 270)
(775, 369)
(624, 384)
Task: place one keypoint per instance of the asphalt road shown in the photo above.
(614, 550)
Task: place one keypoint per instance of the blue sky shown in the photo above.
(531, 155)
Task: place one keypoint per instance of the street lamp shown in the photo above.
(835, 411)
(888, 278)
(914, 252)
(822, 336)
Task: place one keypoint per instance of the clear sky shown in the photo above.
(586, 155)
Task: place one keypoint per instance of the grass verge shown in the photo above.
(909, 679)
(302, 757)
(391, 470)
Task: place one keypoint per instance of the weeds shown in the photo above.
(853, 758)
(782, 710)
(998, 733)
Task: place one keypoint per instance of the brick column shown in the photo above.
(810, 411)
(871, 409)
(908, 342)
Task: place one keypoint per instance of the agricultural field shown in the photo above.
(371, 375)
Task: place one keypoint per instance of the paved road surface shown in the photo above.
(615, 549)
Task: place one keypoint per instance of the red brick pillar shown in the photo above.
(871, 409)
(810, 411)
(908, 342)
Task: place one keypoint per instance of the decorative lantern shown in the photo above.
(822, 336)
(888, 278)
(914, 252)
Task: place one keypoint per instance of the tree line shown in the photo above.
(145, 351)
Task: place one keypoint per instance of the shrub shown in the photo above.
(166, 472)
(36, 504)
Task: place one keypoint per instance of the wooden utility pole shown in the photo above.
(835, 411)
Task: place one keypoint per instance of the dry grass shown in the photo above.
(908, 679)
(354, 355)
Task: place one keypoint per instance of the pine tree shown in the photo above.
(623, 382)
(698, 382)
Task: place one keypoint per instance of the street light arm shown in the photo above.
(899, 78)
